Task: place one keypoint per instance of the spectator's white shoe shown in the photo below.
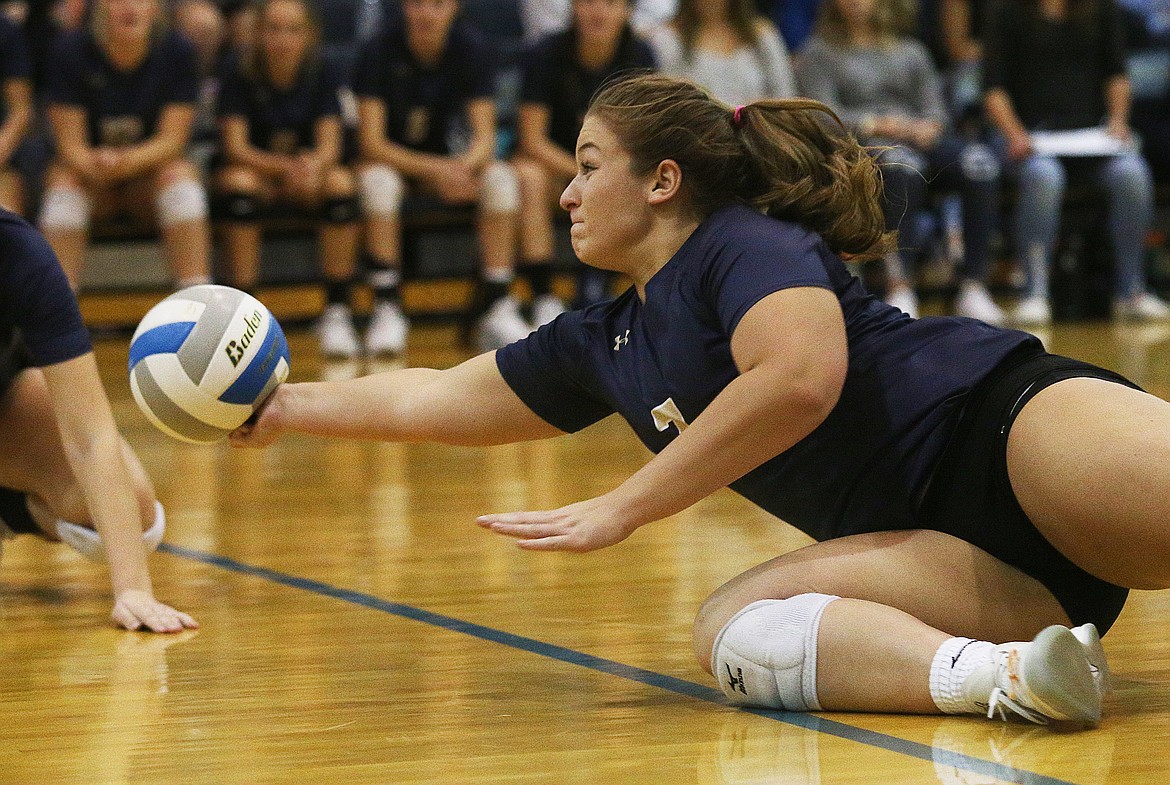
(500, 325)
(336, 333)
(904, 299)
(546, 308)
(387, 331)
(974, 301)
(1033, 311)
(1145, 307)
(1049, 679)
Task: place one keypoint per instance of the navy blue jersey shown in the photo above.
(555, 78)
(863, 469)
(37, 307)
(425, 106)
(282, 121)
(14, 58)
(122, 107)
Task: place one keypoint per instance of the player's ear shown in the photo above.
(667, 182)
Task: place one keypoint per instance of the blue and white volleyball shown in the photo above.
(204, 359)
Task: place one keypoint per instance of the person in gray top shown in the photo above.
(725, 46)
(885, 88)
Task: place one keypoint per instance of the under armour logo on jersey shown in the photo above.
(666, 414)
(736, 679)
(621, 340)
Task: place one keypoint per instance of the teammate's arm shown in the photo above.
(93, 448)
(791, 352)
(469, 404)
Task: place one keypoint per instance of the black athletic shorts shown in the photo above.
(970, 496)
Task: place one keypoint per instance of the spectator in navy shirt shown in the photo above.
(122, 97)
(65, 472)
(15, 109)
(961, 483)
(281, 136)
(561, 74)
(427, 124)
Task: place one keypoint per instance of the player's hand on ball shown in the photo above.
(578, 528)
(263, 427)
(136, 610)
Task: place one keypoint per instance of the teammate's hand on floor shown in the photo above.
(136, 610)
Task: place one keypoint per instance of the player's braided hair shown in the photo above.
(791, 158)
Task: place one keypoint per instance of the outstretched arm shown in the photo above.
(791, 353)
(469, 404)
(93, 448)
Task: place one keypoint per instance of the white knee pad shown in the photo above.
(766, 655)
(89, 544)
(501, 189)
(382, 191)
(181, 201)
(65, 208)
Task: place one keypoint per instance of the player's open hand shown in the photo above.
(578, 528)
(139, 610)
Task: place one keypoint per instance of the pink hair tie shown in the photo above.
(737, 116)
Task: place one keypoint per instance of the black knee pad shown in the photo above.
(340, 209)
(238, 207)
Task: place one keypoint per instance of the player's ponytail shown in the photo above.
(807, 169)
(790, 158)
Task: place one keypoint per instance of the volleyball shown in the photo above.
(204, 359)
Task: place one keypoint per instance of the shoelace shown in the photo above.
(1001, 699)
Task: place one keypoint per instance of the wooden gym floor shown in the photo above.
(358, 627)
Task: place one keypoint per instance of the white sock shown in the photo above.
(962, 676)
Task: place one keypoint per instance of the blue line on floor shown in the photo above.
(704, 693)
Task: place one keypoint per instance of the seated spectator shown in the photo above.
(15, 110)
(281, 139)
(886, 89)
(561, 74)
(725, 46)
(426, 125)
(121, 103)
(1061, 66)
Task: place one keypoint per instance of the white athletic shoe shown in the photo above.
(500, 325)
(974, 301)
(1145, 307)
(1033, 311)
(1095, 652)
(387, 331)
(546, 308)
(1049, 679)
(904, 299)
(336, 333)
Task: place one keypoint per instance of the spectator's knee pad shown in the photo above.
(501, 189)
(237, 207)
(978, 163)
(181, 201)
(340, 209)
(766, 655)
(382, 190)
(65, 208)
